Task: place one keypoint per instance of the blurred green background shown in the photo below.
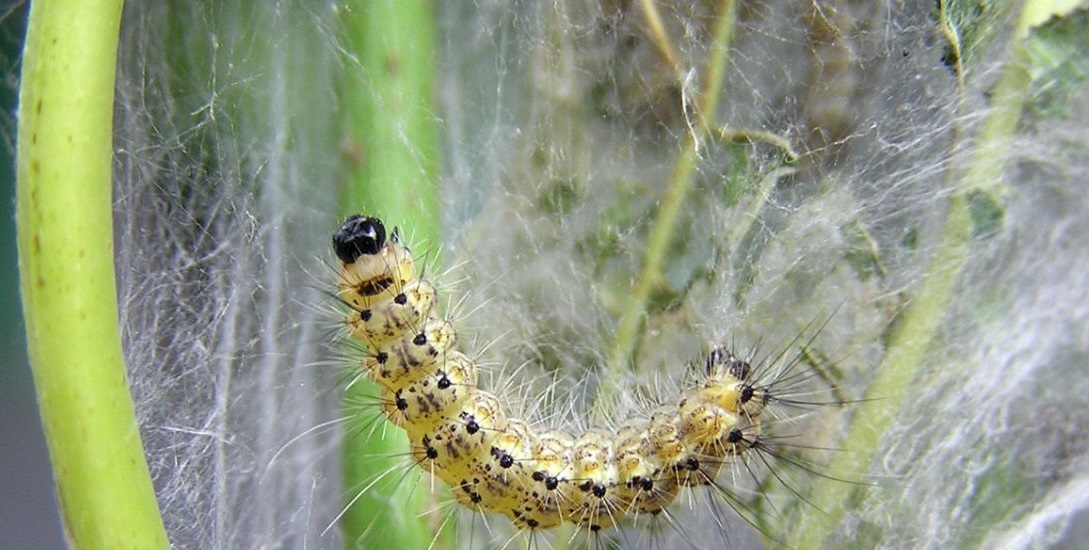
(28, 511)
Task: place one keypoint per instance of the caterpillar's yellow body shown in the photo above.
(538, 478)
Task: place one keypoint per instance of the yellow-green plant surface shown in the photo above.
(67, 272)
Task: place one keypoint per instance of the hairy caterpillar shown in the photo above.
(537, 478)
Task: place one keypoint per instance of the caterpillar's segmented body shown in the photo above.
(537, 478)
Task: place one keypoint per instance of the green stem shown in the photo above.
(392, 154)
(631, 319)
(67, 276)
(391, 135)
(993, 144)
(914, 332)
(908, 345)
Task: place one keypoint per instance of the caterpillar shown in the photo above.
(538, 478)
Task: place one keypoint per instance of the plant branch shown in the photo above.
(391, 150)
(661, 237)
(65, 224)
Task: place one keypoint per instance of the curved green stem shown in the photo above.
(907, 349)
(67, 276)
(911, 338)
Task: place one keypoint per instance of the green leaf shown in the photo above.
(1058, 56)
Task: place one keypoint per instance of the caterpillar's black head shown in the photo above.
(358, 236)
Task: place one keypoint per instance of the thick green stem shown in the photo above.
(67, 276)
(908, 345)
(390, 139)
(912, 337)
